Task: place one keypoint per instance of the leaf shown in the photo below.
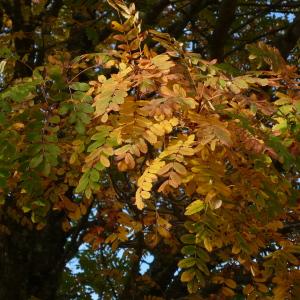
(145, 194)
(188, 250)
(223, 135)
(162, 62)
(163, 232)
(188, 275)
(188, 238)
(54, 119)
(138, 199)
(165, 169)
(227, 291)
(187, 262)
(230, 283)
(248, 289)
(94, 175)
(192, 286)
(202, 255)
(80, 86)
(175, 179)
(207, 244)
(83, 183)
(104, 161)
(194, 207)
(179, 168)
(36, 161)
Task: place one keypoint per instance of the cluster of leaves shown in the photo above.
(159, 140)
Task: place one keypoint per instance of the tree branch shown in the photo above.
(191, 14)
(242, 46)
(219, 36)
(287, 42)
(254, 17)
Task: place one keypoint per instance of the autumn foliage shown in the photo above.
(168, 151)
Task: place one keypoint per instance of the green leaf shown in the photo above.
(202, 255)
(194, 207)
(80, 86)
(39, 203)
(188, 239)
(94, 175)
(79, 127)
(26, 209)
(192, 286)
(202, 266)
(187, 262)
(37, 160)
(54, 119)
(188, 250)
(83, 183)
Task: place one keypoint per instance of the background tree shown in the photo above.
(123, 140)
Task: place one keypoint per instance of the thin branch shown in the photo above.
(191, 14)
(107, 276)
(254, 17)
(287, 42)
(242, 46)
(255, 4)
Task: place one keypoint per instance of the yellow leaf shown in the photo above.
(163, 232)
(230, 283)
(122, 150)
(207, 244)
(18, 126)
(174, 121)
(165, 169)
(75, 215)
(262, 288)
(162, 62)
(145, 195)
(117, 26)
(165, 91)
(138, 199)
(194, 207)
(167, 126)
(163, 186)
(179, 168)
(157, 130)
(223, 134)
(187, 276)
(178, 90)
(104, 161)
(129, 160)
(175, 179)
(216, 203)
(150, 177)
(187, 151)
(227, 291)
(235, 249)
(146, 186)
(163, 222)
(142, 146)
(150, 137)
(217, 279)
(73, 158)
(248, 289)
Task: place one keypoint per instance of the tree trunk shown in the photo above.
(30, 260)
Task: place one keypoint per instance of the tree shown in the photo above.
(124, 141)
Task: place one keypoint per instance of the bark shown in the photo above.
(220, 34)
(288, 41)
(28, 259)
